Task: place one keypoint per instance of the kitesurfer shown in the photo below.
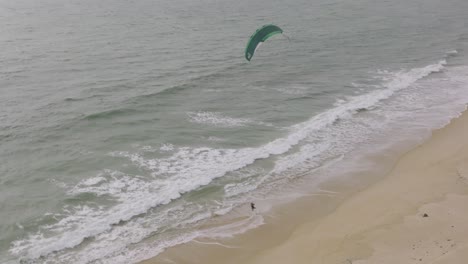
(252, 206)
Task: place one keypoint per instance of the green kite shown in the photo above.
(259, 36)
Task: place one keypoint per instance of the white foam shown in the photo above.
(167, 147)
(93, 181)
(149, 149)
(246, 181)
(220, 120)
(426, 105)
(452, 52)
(57, 183)
(215, 139)
(293, 90)
(307, 154)
(339, 102)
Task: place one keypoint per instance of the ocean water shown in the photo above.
(126, 125)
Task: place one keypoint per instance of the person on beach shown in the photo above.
(252, 206)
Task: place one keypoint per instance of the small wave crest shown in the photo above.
(110, 114)
(70, 99)
(220, 120)
(452, 53)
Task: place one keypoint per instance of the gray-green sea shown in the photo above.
(126, 124)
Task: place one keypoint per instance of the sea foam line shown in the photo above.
(220, 120)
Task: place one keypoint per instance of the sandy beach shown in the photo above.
(416, 214)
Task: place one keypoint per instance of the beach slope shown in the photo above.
(417, 214)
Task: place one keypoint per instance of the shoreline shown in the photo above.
(379, 222)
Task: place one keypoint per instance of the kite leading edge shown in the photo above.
(260, 36)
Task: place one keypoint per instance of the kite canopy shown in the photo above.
(259, 36)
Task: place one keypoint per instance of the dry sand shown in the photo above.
(418, 213)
